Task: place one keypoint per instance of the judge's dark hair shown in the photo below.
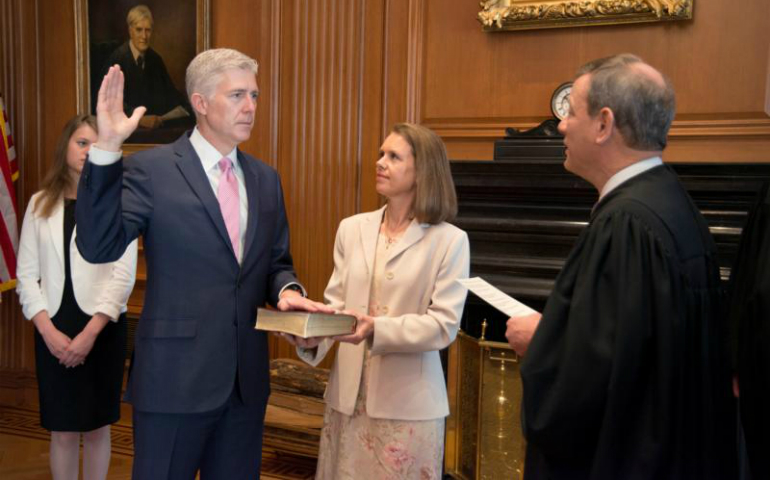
(435, 200)
(643, 108)
(58, 178)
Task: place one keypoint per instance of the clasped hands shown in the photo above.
(73, 352)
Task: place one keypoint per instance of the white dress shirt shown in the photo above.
(628, 173)
(209, 158)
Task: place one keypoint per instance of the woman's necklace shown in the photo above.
(393, 235)
(389, 241)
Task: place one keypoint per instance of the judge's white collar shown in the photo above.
(628, 173)
(134, 51)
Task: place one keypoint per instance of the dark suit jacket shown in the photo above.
(197, 325)
(150, 87)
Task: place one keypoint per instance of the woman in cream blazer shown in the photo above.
(78, 311)
(395, 269)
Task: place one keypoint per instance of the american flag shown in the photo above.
(9, 233)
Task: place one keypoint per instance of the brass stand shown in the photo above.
(483, 431)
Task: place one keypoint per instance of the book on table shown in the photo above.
(305, 324)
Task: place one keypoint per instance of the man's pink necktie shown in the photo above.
(229, 201)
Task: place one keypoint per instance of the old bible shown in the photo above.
(305, 324)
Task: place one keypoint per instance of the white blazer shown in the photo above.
(101, 288)
(424, 306)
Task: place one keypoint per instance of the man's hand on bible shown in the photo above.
(293, 300)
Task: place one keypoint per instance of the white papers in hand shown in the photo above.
(495, 297)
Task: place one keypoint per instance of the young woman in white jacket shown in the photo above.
(78, 310)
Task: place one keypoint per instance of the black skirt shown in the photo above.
(85, 397)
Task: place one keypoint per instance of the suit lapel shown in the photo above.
(413, 234)
(56, 227)
(252, 193)
(190, 165)
(370, 228)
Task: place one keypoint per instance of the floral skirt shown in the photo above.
(357, 446)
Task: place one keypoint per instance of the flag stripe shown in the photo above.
(9, 237)
(8, 249)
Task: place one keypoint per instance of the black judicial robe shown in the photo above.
(627, 375)
(750, 314)
(150, 87)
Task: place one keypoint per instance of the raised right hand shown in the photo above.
(114, 126)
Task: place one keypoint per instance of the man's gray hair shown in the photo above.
(643, 108)
(138, 13)
(204, 71)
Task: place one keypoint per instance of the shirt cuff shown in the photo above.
(100, 157)
(294, 286)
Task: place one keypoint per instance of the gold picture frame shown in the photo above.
(500, 15)
(181, 30)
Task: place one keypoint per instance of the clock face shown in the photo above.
(560, 100)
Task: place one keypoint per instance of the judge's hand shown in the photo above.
(519, 331)
(300, 342)
(364, 329)
(114, 125)
(150, 121)
(292, 300)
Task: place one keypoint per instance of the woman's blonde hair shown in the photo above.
(58, 178)
(435, 200)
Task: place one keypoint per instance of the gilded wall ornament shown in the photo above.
(496, 15)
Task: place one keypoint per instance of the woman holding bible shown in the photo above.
(395, 270)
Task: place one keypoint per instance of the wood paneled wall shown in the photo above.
(471, 84)
(336, 74)
(19, 82)
(310, 115)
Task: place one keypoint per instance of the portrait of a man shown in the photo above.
(145, 42)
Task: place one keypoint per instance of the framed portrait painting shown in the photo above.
(152, 41)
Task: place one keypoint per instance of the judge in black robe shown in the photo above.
(750, 316)
(627, 373)
(148, 86)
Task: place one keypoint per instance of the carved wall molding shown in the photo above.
(718, 127)
(738, 139)
(498, 15)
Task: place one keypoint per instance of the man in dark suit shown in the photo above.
(627, 374)
(147, 82)
(216, 241)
